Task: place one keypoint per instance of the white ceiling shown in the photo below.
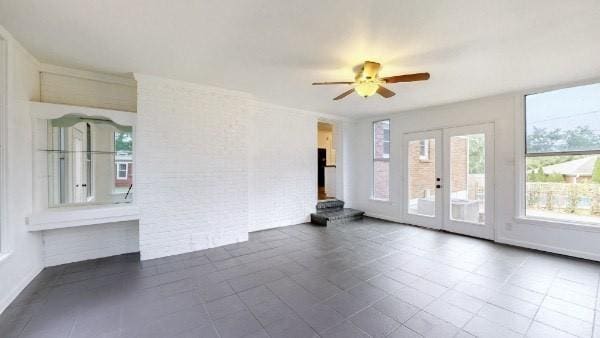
(275, 49)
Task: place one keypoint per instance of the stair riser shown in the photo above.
(330, 205)
(344, 220)
(325, 222)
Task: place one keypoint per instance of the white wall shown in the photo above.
(504, 111)
(21, 258)
(88, 242)
(283, 166)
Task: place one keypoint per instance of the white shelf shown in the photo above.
(49, 111)
(68, 217)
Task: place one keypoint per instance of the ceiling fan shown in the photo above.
(367, 81)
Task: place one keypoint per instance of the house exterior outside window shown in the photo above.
(562, 155)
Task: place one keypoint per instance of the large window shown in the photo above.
(381, 160)
(563, 154)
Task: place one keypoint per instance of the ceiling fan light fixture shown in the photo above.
(366, 89)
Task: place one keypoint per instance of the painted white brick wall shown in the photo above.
(192, 167)
(81, 243)
(283, 167)
(213, 165)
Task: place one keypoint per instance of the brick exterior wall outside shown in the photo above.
(381, 169)
(381, 180)
(422, 172)
(459, 158)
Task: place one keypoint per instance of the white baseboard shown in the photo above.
(385, 218)
(548, 248)
(12, 295)
(514, 242)
(254, 228)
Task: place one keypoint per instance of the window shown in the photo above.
(381, 160)
(85, 153)
(122, 171)
(424, 150)
(3, 130)
(562, 154)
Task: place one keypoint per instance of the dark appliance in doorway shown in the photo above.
(322, 162)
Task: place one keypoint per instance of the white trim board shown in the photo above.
(4, 243)
(48, 111)
(547, 248)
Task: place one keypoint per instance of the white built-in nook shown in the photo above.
(83, 164)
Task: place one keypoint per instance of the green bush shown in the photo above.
(596, 171)
(540, 176)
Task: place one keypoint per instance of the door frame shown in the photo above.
(482, 230)
(436, 221)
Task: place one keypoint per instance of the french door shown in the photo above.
(449, 179)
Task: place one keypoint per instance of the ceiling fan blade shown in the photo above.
(385, 92)
(332, 83)
(343, 95)
(407, 78)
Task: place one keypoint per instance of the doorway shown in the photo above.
(326, 167)
(449, 179)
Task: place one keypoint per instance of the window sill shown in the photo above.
(68, 217)
(380, 200)
(557, 224)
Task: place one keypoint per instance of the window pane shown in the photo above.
(467, 178)
(563, 120)
(421, 179)
(564, 188)
(381, 180)
(381, 139)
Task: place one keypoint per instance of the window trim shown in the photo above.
(379, 159)
(520, 164)
(5, 246)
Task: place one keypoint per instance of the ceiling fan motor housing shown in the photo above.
(370, 70)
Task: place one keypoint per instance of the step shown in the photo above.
(338, 216)
(330, 204)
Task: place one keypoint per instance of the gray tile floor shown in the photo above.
(362, 279)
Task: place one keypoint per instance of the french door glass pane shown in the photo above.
(467, 178)
(421, 177)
